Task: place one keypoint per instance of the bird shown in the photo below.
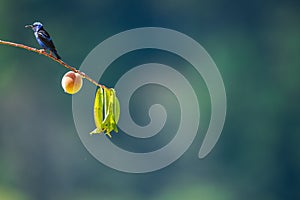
(43, 38)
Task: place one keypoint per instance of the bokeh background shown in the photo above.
(256, 46)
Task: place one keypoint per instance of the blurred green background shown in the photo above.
(256, 46)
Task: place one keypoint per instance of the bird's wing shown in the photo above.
(45, 38)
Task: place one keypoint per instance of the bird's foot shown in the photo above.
(42, 50)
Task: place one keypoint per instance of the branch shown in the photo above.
(82, 74)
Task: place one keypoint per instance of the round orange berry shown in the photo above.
(71, 82)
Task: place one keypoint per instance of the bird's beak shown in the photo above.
(28, 26)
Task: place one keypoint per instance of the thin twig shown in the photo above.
(82, 74)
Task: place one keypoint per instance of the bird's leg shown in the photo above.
(50, 53)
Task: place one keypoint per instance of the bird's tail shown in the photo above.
(56, 54)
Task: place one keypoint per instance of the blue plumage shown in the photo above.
(43, 37)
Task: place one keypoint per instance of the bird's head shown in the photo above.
(36, 26)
